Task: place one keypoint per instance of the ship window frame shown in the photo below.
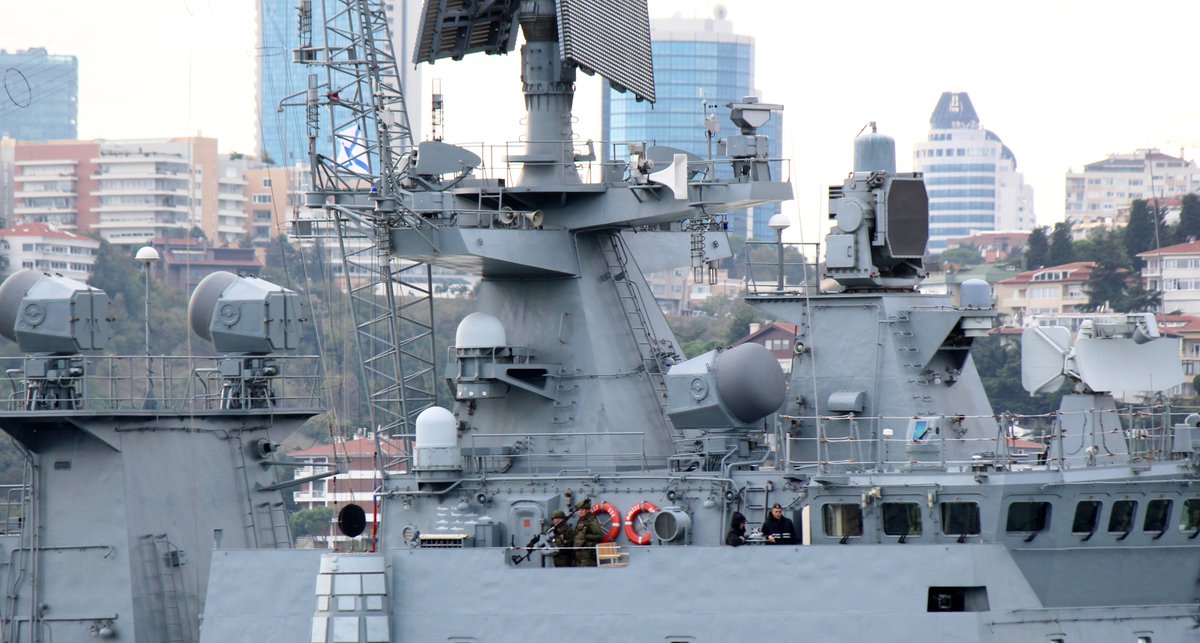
(1117, 513)
(843, 524)
(971, 518)
(1095, 523)
(1036, 522)
(1163, 520)
(1189, 518)
(911, 511)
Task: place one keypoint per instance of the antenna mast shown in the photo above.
(357, 186)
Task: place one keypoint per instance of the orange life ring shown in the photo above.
(615, 520)
(630, 530)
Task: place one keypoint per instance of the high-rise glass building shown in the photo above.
(282, 136)
(41, 97)
(971, 176)
(695, 59)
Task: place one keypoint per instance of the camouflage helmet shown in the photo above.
(586, 503)
(558, 513)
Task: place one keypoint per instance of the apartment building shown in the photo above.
(1100, 195)
(1050, 290)
(41, 246)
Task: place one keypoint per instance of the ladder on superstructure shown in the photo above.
(656, 354)
(359, 189)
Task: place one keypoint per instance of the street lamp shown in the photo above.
(148, 255)
(779, 223)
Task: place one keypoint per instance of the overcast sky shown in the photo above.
(1062, 82)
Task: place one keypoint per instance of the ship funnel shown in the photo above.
(874, 152)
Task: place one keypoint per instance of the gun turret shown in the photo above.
(882, 221)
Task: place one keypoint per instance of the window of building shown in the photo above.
(1189, 520)
(842, 520)
(1158, 515)
(960, 518)
(1028, 517)
(1087, 517)
(266, 182)
(262, 198)
(901, 519)
(1121, 519)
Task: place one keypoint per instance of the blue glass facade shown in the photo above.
(282, 138)
(683, 67)
(40, 101)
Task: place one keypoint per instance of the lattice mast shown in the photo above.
(356, 175)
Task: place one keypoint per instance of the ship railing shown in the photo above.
(583, 161)
(798, 267)
(880, 443)
(548, 452)
(542, 555)
(11, 515)
(178, 383)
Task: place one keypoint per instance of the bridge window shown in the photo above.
(1028, 516)
(960, 518)
(1189, 522)
(842, 520)
(1123, 513)
(1087, 517)
(1158, 515)
(901, 519)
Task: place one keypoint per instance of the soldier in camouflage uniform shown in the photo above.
(562, 536)
(587, 535)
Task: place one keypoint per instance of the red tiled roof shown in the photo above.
(42, 230)
(1190, 248)
(1176, 325)
(359, 447)
(1080, 271)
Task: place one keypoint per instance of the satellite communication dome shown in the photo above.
(480, 330)
(436, 427)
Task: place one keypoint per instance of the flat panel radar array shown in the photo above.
(907, 218)
(455, 28)
(609, 38)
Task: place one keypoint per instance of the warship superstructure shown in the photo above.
(920, 514)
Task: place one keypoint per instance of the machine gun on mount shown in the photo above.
(543, 540)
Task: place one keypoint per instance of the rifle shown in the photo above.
(533, 544)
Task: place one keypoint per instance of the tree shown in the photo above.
(961, 256)
(1142, 231)
(1062, 249)
(313, 522)
(1112, 287)
(1102, 244)
(1189, 219)
(1000, 371)
(1037, 249)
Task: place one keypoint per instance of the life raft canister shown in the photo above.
(614, 520)
(631, 529)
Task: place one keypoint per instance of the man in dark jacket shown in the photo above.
(563, 537)
(777, 529)
(587, 535)
(737, 531)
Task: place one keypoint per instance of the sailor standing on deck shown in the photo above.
(777, 529)
(562, 536)
(587, 535)
(737, 531)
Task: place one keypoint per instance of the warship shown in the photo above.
(152, 511)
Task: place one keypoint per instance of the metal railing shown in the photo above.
(858, 443)
(799, 267)
(165, 383)
(524, 447)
